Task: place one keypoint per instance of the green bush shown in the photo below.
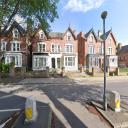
(4, 68)
(0, 67)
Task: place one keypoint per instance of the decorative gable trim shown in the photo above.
(91, 31)
(71, 31)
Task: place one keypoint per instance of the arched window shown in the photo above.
(41, 35)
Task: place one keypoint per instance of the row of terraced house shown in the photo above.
(57, 50)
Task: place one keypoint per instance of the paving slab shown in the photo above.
(89, 119)
(116, 119)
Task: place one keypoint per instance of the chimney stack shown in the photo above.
(119, 46)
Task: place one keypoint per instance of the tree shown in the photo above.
(34, 12)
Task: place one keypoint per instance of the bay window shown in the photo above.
(17, 59)
(39, 62)
(69, 61)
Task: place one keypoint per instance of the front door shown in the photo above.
(100, 63)
(58, 62)
(53, 63)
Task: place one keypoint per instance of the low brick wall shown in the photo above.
(38, 74)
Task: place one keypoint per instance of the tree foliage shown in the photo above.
(34, 12)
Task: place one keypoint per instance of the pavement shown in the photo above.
(115, 119)
(65, 97)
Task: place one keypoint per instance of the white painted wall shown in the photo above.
(110, 61)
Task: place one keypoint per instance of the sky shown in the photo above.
(82, 15)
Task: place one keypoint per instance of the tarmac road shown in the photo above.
(72, 91)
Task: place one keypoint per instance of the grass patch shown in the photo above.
(123, 69)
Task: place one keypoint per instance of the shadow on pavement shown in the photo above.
(79, 93)
(70, 116)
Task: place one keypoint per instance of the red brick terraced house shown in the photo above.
(55, 50)
(13, 46)
(90, 50)
(123, 56)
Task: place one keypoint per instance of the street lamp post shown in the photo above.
(103, 16)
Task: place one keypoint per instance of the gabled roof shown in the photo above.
(124, 49)
(38, 29)
(91, 31)
(57, 34)
(4, 33)
(106, 34)
(72, 32)
(18, 26)
(14, 25)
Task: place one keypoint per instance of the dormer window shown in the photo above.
(68, 36)
(91, 39)
(41, 35)
(3, 45)
(15, 34)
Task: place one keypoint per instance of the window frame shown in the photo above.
(110, 50)
(69, 63)
(70, 48)
(69, 37)
(55, 48)
(40, 62)
(3, 46)
(41, 49)
(15, 46)
(17, 59)
(41, 37)
(91, 49)
(15, 33)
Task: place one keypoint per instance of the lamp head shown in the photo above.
(104, 14)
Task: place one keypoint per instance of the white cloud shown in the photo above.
(83, 5)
